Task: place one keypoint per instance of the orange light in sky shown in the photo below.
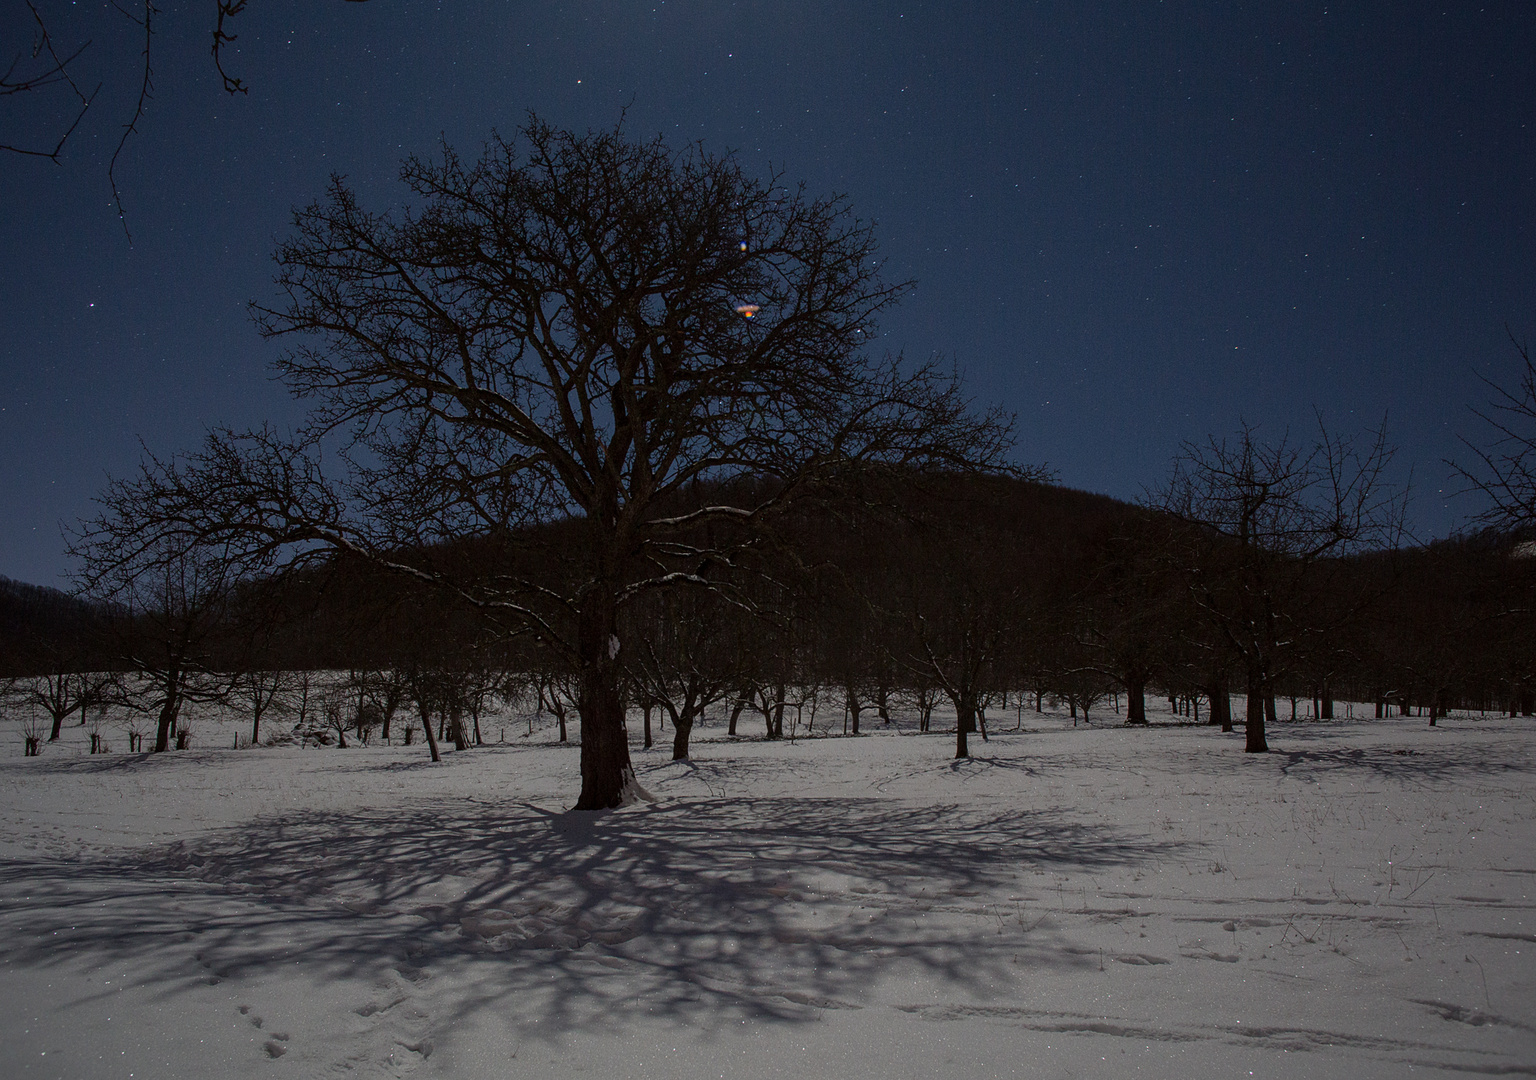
(746, 311)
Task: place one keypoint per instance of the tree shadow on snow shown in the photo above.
(708, 912)
(1419, 762)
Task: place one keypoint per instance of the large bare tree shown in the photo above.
(563, 339)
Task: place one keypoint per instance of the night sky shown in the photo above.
(1130, 223)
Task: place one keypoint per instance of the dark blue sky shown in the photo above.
(1132, 225)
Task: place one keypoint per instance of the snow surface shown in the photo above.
(1089, 902)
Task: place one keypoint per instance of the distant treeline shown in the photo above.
(955, 587)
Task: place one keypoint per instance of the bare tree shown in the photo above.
(62, 692)
(1265, 519)
(571, 329)
(956, 600)
(676, 660)
(168, 603)
(261, 689)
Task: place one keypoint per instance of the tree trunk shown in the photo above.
(426, 725)
(741, 703)
(1258, 704)
(965, 720)
(1327, 713)
(1221, 705)
(168, 714)
(682, 728)
(646, 711)
(606, 773)
(456, 728)
(1135, 701)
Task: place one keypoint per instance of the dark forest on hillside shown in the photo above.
(976, 590)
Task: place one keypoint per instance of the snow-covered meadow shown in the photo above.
(1070, 902)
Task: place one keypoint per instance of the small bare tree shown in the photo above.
(168, 602)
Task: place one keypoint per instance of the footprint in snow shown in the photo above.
(277, 1045)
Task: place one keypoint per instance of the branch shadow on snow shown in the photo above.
(1419, 762)
(707, 912)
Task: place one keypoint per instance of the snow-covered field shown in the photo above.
(1090, 902)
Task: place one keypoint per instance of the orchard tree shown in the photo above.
(1266, 521)
(169, 608)
(568, 331)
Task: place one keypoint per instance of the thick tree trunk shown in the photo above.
(1258, 705)
(1327, 713)
(965, 723)
(741, 703)
(646, 712)
(1221, 706)
(682, 728)
(168, 713)
(775, 716)
(606, 774)
(1135, 701)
